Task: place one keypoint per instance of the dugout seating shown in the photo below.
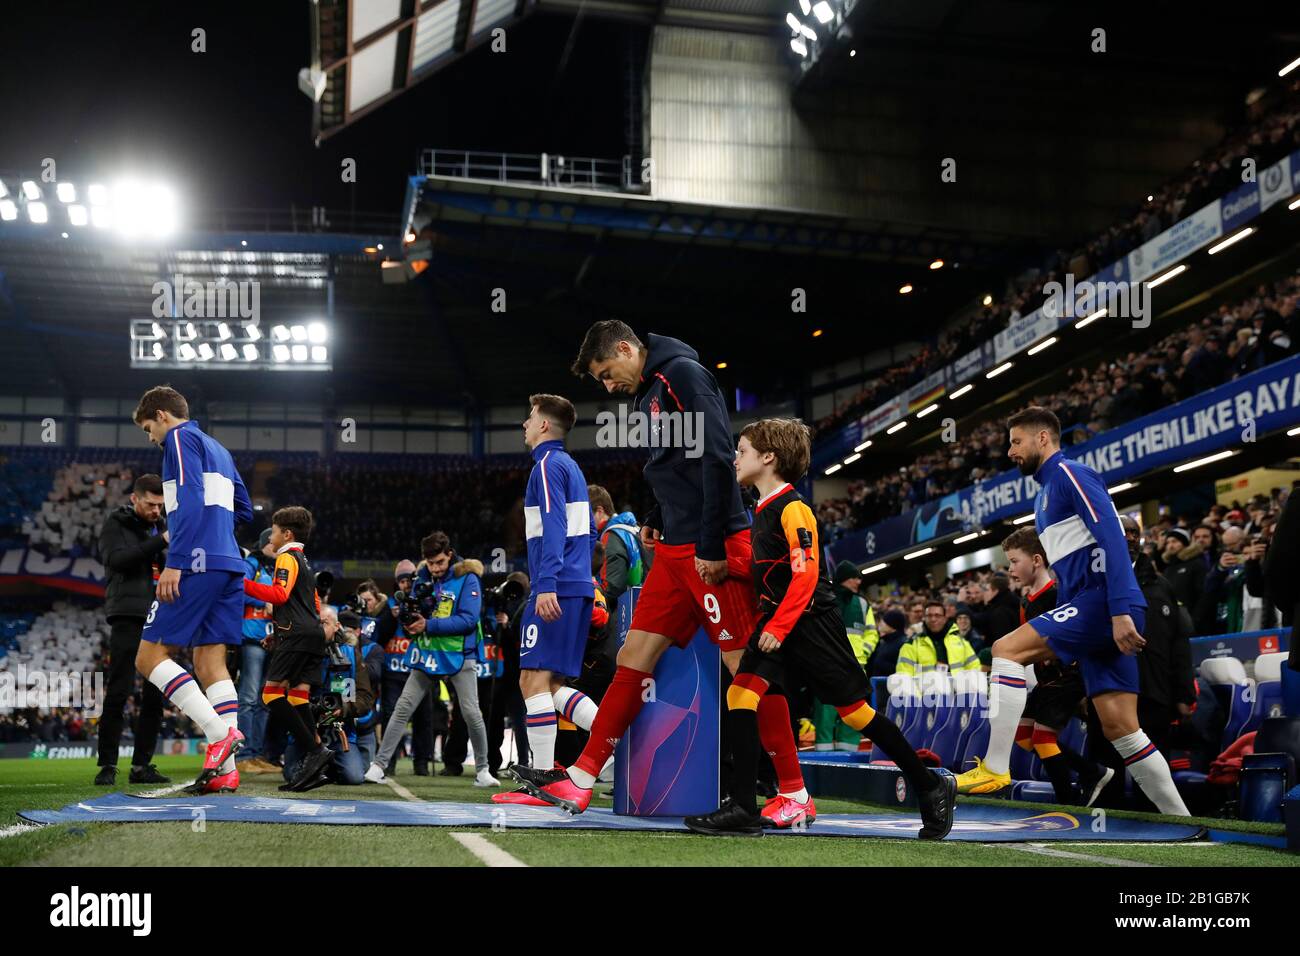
(1268, 685)
(1235, 692)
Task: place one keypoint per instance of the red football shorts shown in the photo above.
(674, 601)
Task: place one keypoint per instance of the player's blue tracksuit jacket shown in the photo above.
(1080, 531)
(558, 524)
(204, 497)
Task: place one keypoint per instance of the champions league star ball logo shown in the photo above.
(1055, 822)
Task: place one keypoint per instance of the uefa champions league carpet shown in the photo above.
(978, 823)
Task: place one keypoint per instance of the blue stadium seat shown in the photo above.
(976, 744)
(1268, 685)
(949, 734)
(1242, 715)
(1033, 791)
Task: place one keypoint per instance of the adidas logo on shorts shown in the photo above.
(724, 635)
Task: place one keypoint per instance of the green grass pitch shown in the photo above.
(35, 784)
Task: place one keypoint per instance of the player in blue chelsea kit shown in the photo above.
(1097, 621)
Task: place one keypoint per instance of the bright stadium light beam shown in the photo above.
(1208, 459)
(798, 46)
(37, 212)
(66, 192)
(864, 446)
(250, 352)
(1046, 343)
(1023, 518)
(1089, 319)
(918, 554)
(968, 537)
(299, 333)
(1231, 240)
(319, 353)
(1161, 280)
(832, 469)
(8, 211)
(1122, 486)
(999, 370)
(897, 427)
(808, 31)
(78, 215)
(101, 217)
(300, 353)
(142, 209)
(31, 191)
(805, 6)
(97, 193)
(317, 333)
(961, 391)
(1289, 67)
(852, 458)
(793, 21)
(927, 410)
(228, 352)
(823, 12)
(875, 567)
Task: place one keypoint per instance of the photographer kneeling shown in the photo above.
(344, 696)
(441, 613)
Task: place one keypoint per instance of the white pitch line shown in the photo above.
(486, 852)
(165, 791)
(20, 828)
(1066, 855)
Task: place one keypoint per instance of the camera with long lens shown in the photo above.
(505, 594)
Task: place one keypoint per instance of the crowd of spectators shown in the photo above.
(1271, 131)
(1233, 341)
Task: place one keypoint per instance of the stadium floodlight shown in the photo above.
(790, 18)
(798, 46)
(1089, 319)
(31, 190)
(101, 217)
(918, 554)
(1294, 205)
(808, 31)
(1231, 240)
(300, 353)
(185, 352)
(189, 331)
(905, 289)
(37, 212)
(228, 352)
(299, 333)
(1046, 343)
(1122, 486)
(205, 351)
(999, 370)
(1208, 459)
(1023, 518)
(254, 333)
(936, 264)
(157, 332)
(317, 333)
(896, 427)
(8, 211)
(318, 353)
(927, 410)
(987, 300)
(1293, 432)
(223, 331)
(961, 391)
(78, 215)
(865, 445)
(823, 12)
(1162, 279)
(250, 352)
(142, 209)
(1289, 67)
(875, 567)
(4, 190)
(832, 469)
(280, 333)
(805, 6)
(969, 537)
(66, 192)
(158, 351)
(97, 193)
(280, 353)
(851, 459)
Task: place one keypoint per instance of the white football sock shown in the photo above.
(582, 708)
(1006, 704)
(225, 701)
(183, 691)
(541, 730)
(1150, 771)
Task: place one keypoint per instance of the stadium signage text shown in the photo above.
(1221, 419)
